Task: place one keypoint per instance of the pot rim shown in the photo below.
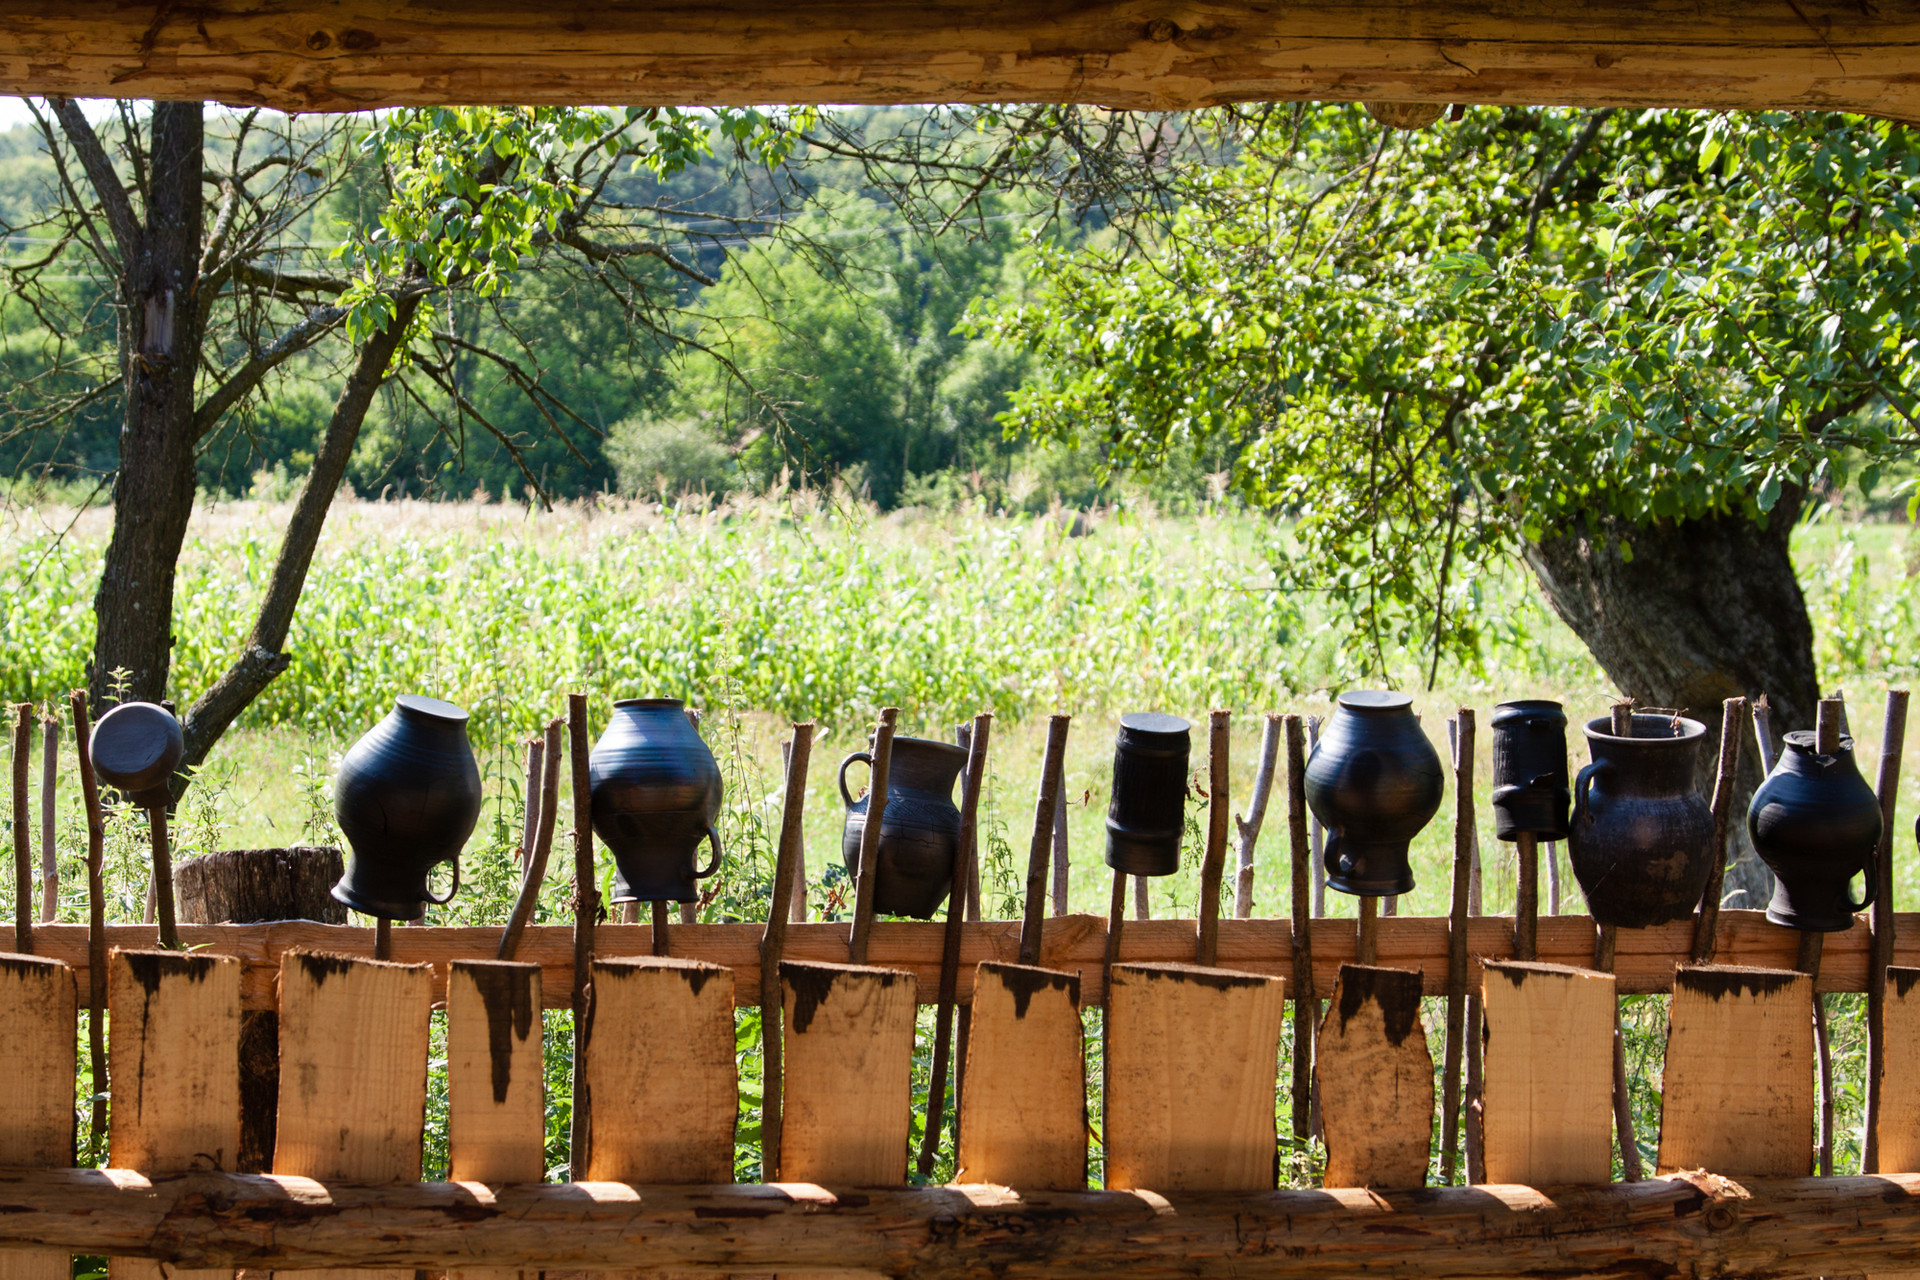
(1802, 742)
(1160, 724)
(1375, 702)
(420, 704)
(1600, 729)
(676, 704)
(954, 747)
(1530, 704)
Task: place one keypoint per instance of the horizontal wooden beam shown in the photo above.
(1694, 1224)
(1645, 961)
(311, 55)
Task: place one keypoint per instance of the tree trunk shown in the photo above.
(1704, 610)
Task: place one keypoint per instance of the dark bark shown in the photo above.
(1704, 610)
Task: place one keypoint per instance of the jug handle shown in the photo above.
(453, 889)
(1872, 885)
(858, 755)
(1581, 782)
(713, 835)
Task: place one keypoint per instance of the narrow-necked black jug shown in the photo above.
(1816, 824)
(656, 796)
(1374, 780)
(919, 830)
(406, 797)
(1147, 814)
(1530, 791)
(1641, 842)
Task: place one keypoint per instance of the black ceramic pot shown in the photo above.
(1147, 814)
(1816, 824)
(407, 796)
(919, 831)
(1530, 792)
(1641, 842)
(1374, 781)
(136, 747)
(656, 796)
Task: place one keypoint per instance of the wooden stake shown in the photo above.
(49, 784)
(1213, 866)
(1116, 917)
(96, 911)
(1829, 724)
(1060, 876)
(22, 831)
(1526, 898)
(1763, 732)
(1306, 1002)
(1622, 718)
(1726, 777)
(797, 754)
(162, 847)
(1052, 765)
(543, 809)
(1606, 940)
(535, 794)
(1142, 903)
(382, 938)
(870, 836)
(1368, 931)
(1463, 736)
(586, 908)
(1318, 833)
(660, 938)
(1892, 741)
(1248, 828)
(797, 906)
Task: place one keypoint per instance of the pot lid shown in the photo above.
(1376, 700)
(420, 704)
(1154, 722)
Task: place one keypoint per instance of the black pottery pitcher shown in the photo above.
(1530, 792)
(406, 797)
(919, 829)
(656, 796)
(1816, 824)
(1641, 842)
(1147, 814)
(136, 747)
(1375, 781)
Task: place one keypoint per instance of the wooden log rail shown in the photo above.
(1692, 1224)
(1645, 959)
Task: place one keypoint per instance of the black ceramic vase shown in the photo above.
(136, 747)
(1147, 814)
(1816, 824)
(1641, 842)
(919, 829)
(1374, 781)
(656, 796)
(406, 797)
(1530, 792)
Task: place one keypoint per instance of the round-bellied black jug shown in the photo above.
(1374, 780)
(656, 796)
(1147, 814)
(1641, 841)
(1816, 824)
(406, 797)
(136, 747)
(919, 829)
(1530, 792)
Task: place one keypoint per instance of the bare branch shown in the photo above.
(114, 202)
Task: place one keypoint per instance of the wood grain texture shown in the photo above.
(353, 1073)
(849, 1059)
(1737, 1087)
(1024, 1122)
(305, 55)
(665, 1088)
(1192, 1063)
(39, 1009)
(1899, 1128)
(1548, 1091)
(496, 1081)
(175, 1072)
(1376, 1081)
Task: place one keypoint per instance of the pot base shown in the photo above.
(385, 909)
(1807, 912)
(1378, 870)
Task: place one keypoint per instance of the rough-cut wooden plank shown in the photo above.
(1548, 1118)
(496, 1081)
(665, 1088)
(305, 55)
(1024, 1123)
(175, 1071)
(353, 1073)
(1645, 959)
(38, 1011)
(1737, 1087)
(1192, 1062)
(849, 1053)
(1900, 1089)
(1376, 1081)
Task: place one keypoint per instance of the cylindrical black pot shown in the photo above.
(1147, 815)
(407, 796)
(919, 830)
(656, 796)
(1374, 781)
(1816, 824)
(1530, 792)
(136, 747)
(1641, 840)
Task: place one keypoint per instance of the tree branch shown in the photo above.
(249, 375)
(597, 252)
(1559, 175)
(114, 202)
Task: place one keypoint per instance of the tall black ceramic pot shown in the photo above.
(1816, 824)
(406, 797)
(1374, 780)
(1530, 791)
(656, 796)
(1641, 842)
(1147, 814)
(919, 830)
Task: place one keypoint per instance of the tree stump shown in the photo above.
(252, 886)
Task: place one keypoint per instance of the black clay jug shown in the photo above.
(1374, 780)
(919, 829)
(656, 796)
(136, 747)
(1530, 792)
(1147, 814)
(406, 797)
(1816, 824)
(1641, 842)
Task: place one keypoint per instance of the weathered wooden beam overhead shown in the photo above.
(312, 55)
